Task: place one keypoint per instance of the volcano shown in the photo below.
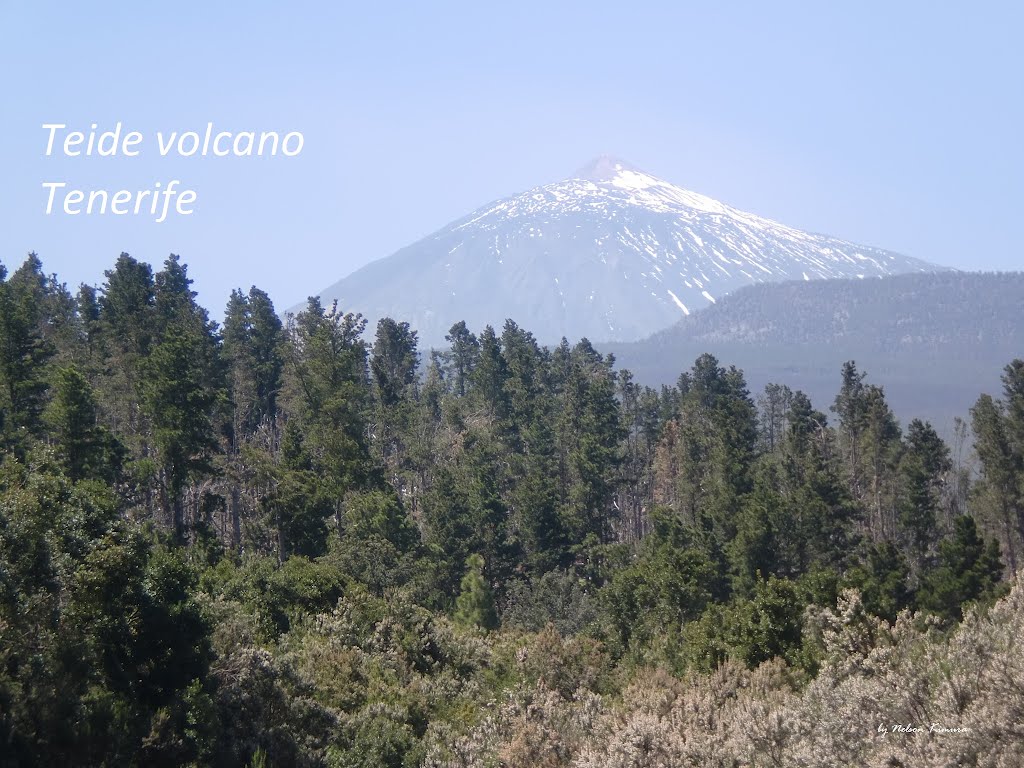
(612, 253)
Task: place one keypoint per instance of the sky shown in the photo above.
(891, 124)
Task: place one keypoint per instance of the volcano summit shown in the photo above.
(611, 254)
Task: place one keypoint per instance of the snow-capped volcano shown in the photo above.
(611, 254)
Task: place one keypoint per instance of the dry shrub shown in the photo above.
(874, 676)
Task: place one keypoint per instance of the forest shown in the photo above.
(300, 541)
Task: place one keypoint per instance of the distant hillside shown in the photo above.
(933, 341)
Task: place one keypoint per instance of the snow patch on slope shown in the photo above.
(679, 303)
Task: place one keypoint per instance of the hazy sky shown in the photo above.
(892, 124)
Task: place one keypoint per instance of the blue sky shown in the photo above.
(892, 124)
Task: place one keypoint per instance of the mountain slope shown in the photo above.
(934, 341)
(612, 253)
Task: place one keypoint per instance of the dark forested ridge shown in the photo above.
(276, 543)
(933, 340)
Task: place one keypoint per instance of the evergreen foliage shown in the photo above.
(283, 543)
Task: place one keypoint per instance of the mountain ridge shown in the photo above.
(612, 254)
(933, 341)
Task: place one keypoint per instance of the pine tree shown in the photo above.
(182, 391)
(489, 376)
(127, 303)
(714, 446)
(869, 437)
(670, 582)
(462, 356)
(883, 579)
(850, 408)
(123, 339)
(87, 305)
(768, 541)
(881, 454)
(252, 337)
(1013, 392)
(252, 350)
(529, 439)
(394, 363)
(449, 529)
(998, 492)
(328, 391)
(24, 355)
(87, 450)
(590, 432)
(180, 404)
(773, 405)
(923, 471)
(968, 569)
(819, 510)
(299, 502)
(642, 425)
(475, 605)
